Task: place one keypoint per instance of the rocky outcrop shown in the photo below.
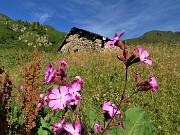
(35, 40)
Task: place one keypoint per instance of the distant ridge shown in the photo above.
(156, 36)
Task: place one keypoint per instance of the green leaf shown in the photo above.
(42, 132)
(137, 122)
(44, 129)
(43, 122)
(90, 114)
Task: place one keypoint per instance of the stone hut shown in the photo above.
(79, 39)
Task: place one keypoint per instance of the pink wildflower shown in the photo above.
(76, 97)
(49, 73)
(97, 128)
(79, 80)
(153, 83)
(58, 127)
(112, 109)
(20, 87)
(43, 102)
(60, 98)
(44, 99)
(74, 89)
(143, 54)
(63, 63)
(71, 130)
(116, 38)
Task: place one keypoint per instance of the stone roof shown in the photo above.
(79, 39)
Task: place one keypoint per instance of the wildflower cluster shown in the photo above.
(138, 55)
(58, 98)
(69, 92)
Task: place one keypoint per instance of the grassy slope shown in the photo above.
(157, 36)
(103, 76)
(10, 38)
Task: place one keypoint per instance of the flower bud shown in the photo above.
(125, 54)
(58, 80)
(120, 44)
(77, 121)
(97, 128)
(39, 105)
(137, 78)
(121, 58)
(121, 123)
(144, 86)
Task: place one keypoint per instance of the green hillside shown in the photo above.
(156, 36)
(20, 34)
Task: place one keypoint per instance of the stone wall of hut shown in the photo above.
(81, 40)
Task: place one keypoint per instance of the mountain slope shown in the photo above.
(20, 34)
(156, 36)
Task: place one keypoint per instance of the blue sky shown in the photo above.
(104, 17)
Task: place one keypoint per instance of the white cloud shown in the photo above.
(41, 17)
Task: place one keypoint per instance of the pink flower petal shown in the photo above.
(39, 105)
(139, 48)
(63, 120)
(53, 96)
(78, 127)
(63, 62)
(153, 82)
(122, 33)
(111, 108)
(149, 62)
(97, 128)
(52, 103)
(145, 53)
(64, 90)
(50, 65)
(69, 128)
(106, 106)
(55, 91)
(76, 86)
(42, 96)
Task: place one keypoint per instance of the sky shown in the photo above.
(104, 17)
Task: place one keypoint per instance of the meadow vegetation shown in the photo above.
(103, 75)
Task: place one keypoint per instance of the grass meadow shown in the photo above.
(104, 75)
